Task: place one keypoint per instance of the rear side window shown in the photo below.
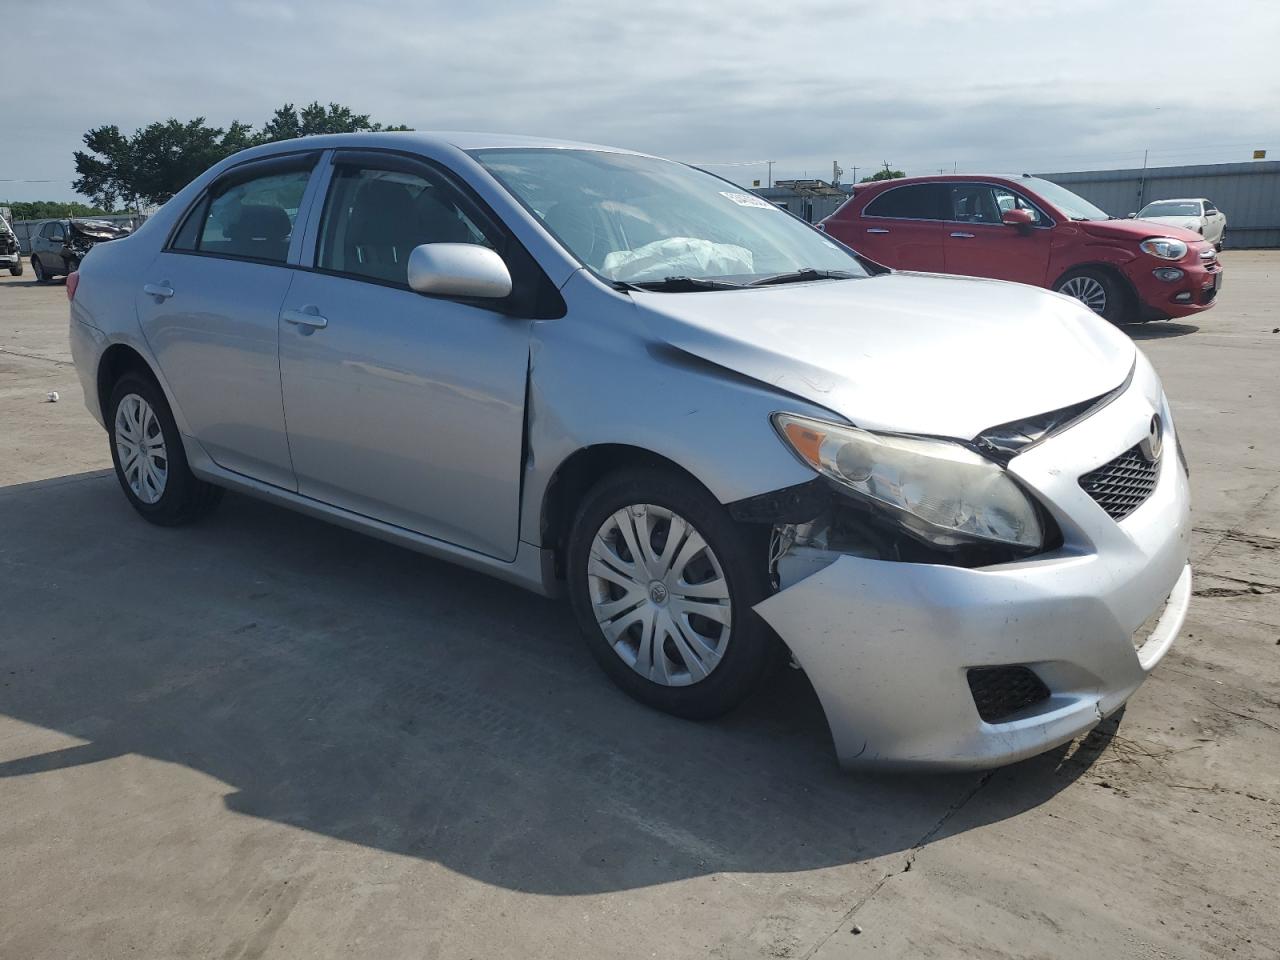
(373, 219)
(920, 201)
(252, 219)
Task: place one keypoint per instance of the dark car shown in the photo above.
(59, 245)
(10, 255)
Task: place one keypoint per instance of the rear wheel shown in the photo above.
(1098, 290)
(662, 582)
(150, 462)
(38, 269)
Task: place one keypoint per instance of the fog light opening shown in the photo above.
(1168, 274)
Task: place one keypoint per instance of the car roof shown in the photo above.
(402, 139)
(1177, 200)
(943, 178)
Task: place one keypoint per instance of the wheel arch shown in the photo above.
(1110, 269)
(117, 360)
(578, 473)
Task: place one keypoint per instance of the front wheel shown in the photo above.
(38, 269)
(150, 462)
(16, 269)
(662, 582)
(1098, 290)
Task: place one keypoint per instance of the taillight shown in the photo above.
(73, 281)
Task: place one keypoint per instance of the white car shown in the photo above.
(1198, 214)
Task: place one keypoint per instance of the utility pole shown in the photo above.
(770, 163)
(1142, 181)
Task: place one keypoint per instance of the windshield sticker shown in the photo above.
(747, 200)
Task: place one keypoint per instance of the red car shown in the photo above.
(1031, 231)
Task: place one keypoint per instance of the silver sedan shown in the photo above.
(957, 504)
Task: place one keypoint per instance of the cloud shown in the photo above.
(982, 84)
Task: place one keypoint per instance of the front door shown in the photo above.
(402, 407)
(210, 310)
(978, 244)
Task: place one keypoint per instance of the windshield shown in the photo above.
(1075, 207)
(640, 219)
(1171, 208)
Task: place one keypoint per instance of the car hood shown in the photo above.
(904, 352)
(1136, 230)
(99, 229)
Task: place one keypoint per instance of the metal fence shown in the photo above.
(804, 204)
(1248, 193)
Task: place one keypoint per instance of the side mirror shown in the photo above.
(1132, 216)
(1017, 217)
(458, 270)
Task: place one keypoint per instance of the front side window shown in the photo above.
(251, 219)
(1006, 199)
(54, 231)
(636, 219)
(919, 201)
(373, 219)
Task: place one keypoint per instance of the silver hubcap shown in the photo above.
(1088, 291)
(140, 448)
(659, 595)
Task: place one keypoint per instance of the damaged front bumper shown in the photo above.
(889, 645)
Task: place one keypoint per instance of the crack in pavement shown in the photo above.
(36, 356)
(915, 849)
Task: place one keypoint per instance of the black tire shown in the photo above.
(185, 497)
(16, 269)
(38, 269)
(1115, 307)
(1220, 244)
(750, 650)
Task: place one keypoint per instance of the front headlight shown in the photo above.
(941, 491)
(1166, 248)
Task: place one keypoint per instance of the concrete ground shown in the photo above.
(265, 736)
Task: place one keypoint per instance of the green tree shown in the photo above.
(885, 174)
(289, 122)
(158, 160)
(51, 209)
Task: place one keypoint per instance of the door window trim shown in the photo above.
(242, 173)
(533, 295)
(1049, 221)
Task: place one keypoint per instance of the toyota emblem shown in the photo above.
(1153, 442)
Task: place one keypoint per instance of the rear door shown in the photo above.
(904, 227)
(210, 310)
(978, 244)
(404, 407)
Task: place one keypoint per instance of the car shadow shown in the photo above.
(1160, 330)
(15, 282)
(347, 687)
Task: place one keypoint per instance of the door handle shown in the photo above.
(876, 230)
(963, 236)
(305, 318)
(161, 290)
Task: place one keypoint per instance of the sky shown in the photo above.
(971, 85)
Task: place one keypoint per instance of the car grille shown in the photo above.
(1122, 485)
(999, 692)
